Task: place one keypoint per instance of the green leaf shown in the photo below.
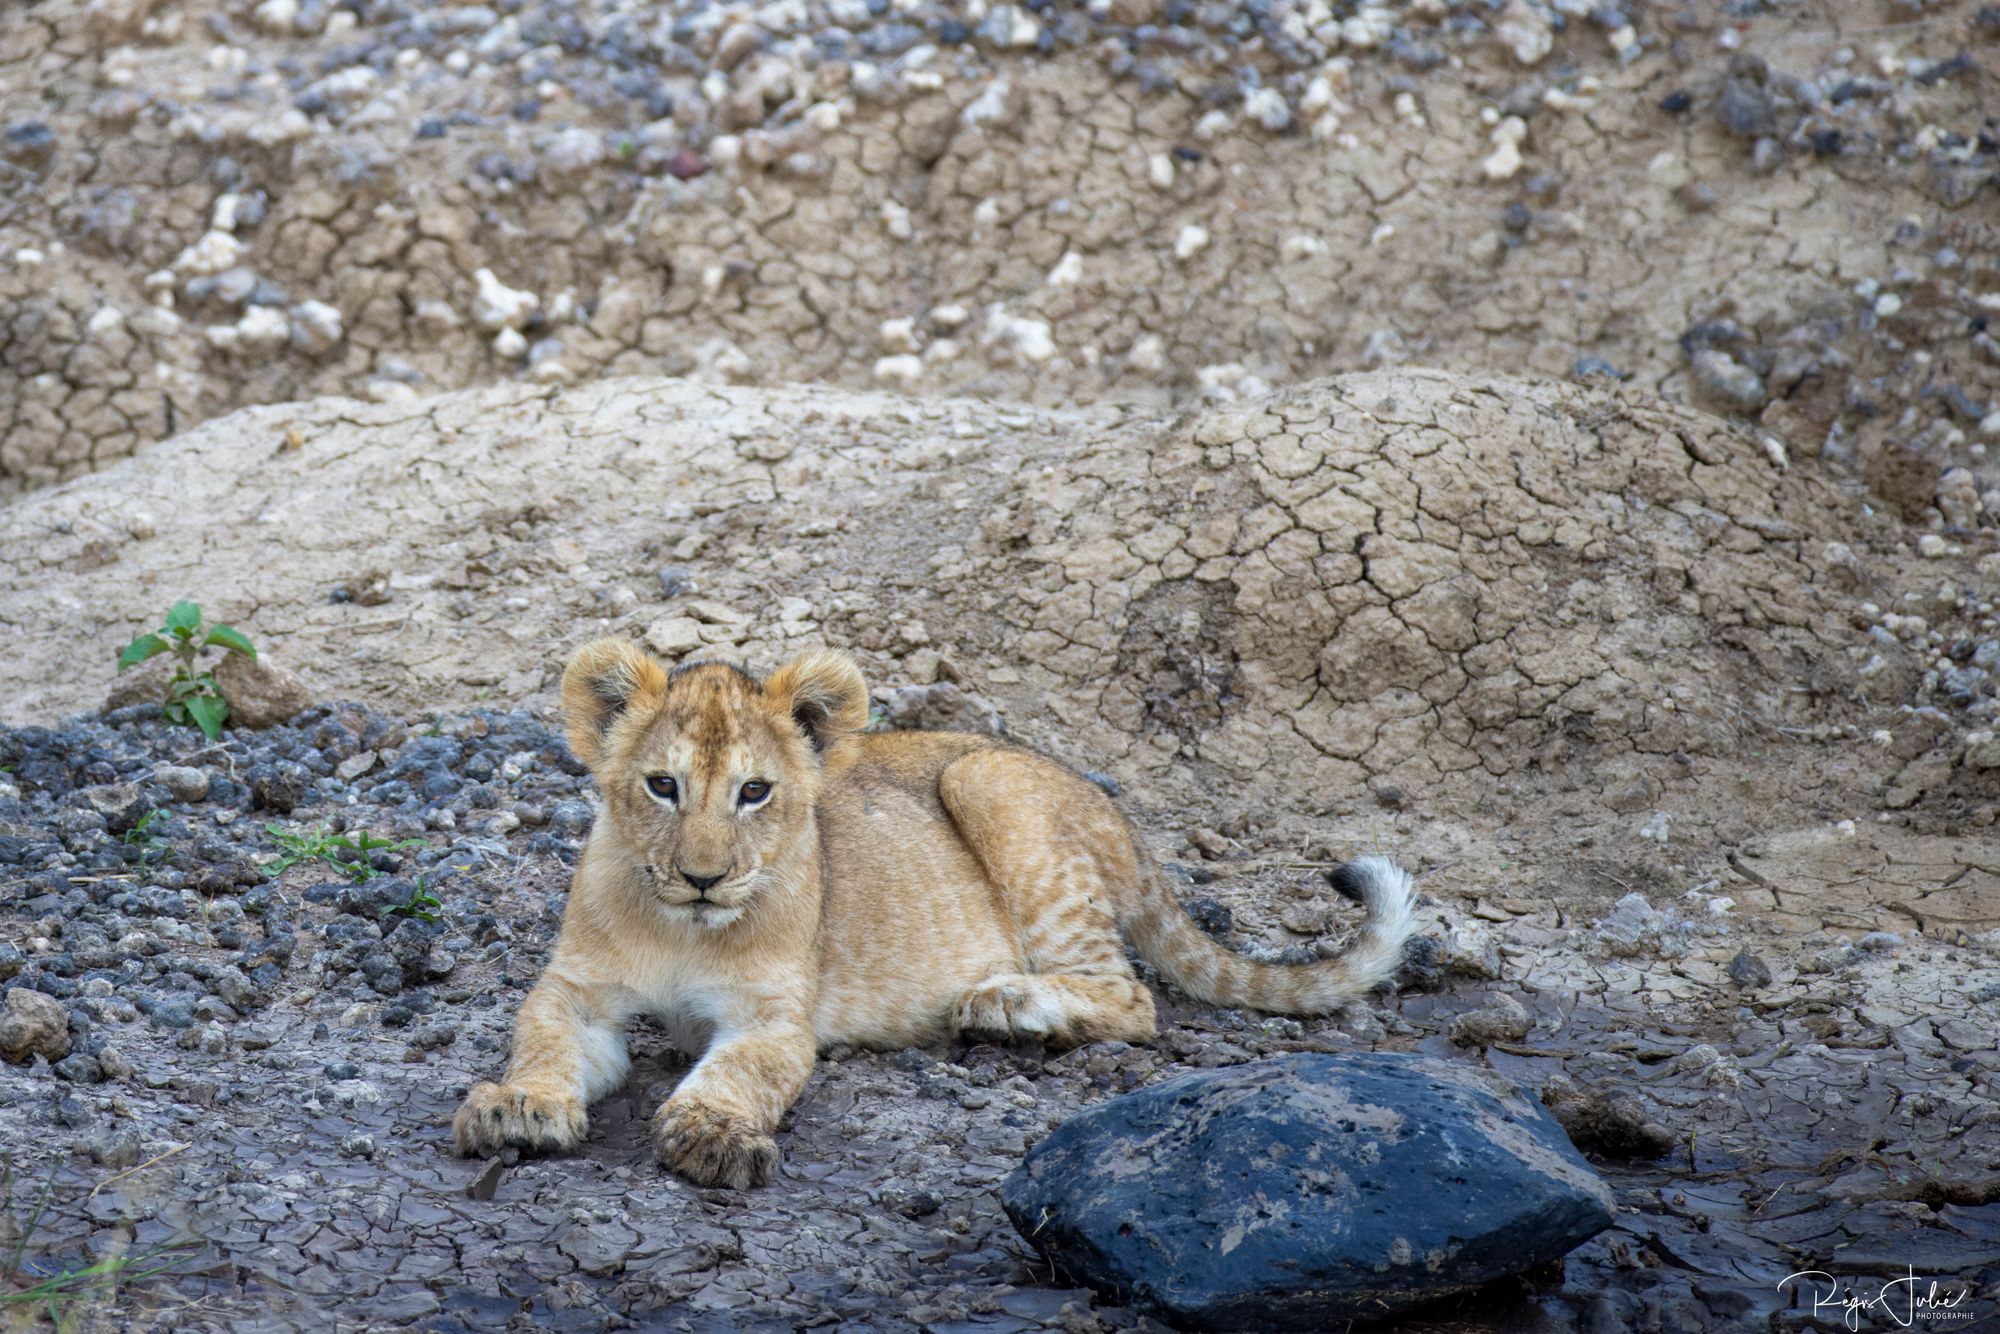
(233, 640)
(184, 619)
(140, 649)
(209, 713)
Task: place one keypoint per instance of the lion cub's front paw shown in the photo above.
(496, 1116)
(711, 1147)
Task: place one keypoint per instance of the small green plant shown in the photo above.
(319, 845)
(141, 836)
(192, 695)
(424, 906)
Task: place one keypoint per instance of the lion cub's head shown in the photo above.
(709, 776)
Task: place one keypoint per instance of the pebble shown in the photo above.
(497, 307)
(1749, 972)
(316, 327)
(1722, 380)
(32, 1025)
(571, 154)
(1502, 1019)
(182, 783)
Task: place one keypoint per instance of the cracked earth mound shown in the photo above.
(1390, 578)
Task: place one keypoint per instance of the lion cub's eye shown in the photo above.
(663, 787)
(753, 792)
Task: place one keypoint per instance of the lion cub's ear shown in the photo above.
(603, 679)
(823, 693)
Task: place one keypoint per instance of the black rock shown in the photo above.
(1306, 1192)
(122, 805)
(278, 787)
(1748, 971)
(1212, 916)
(30, 141)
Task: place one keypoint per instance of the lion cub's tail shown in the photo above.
(1169, 940)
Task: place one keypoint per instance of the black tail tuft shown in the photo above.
(1349, 879)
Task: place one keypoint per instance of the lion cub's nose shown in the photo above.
(701, 883)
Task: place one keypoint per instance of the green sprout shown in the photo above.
(192, 694)
(319, 845)
(141, 837)
(424, 906)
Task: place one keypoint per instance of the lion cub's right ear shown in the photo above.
(605, 678)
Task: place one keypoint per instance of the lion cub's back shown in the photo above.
(909, 920)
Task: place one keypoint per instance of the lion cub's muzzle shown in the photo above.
(702, 895)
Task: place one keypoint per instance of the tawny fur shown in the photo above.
(891, 889)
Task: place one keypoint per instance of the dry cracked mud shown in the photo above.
(1062, 362)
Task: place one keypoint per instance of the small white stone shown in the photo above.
(316, 326)
(510, 344)
(1160, 171)
(1504, 162)
(213, 253)
(903, 371)
(948, 317)
(1026, 340)
(1148, 355)
(1268, 108)
(1067, 271)
(1525, 30)
(27, 257)
(895, 220)
(1932, 547)
(262, 329)
(1299, 246)
(1192, 240)
(435, 317)
(277, 17)
(992, 107)
(897, 335)
(1887, 305)
(572, 153)
(496, 306)
(1213, 125)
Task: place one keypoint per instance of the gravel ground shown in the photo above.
(260, 1067)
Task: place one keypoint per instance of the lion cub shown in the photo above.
(768, 874)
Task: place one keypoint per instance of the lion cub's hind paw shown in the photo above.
(711, 1147)
(1018, 1007)
(498, 1116)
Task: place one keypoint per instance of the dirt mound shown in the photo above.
(1386, 578)
(230, 204)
